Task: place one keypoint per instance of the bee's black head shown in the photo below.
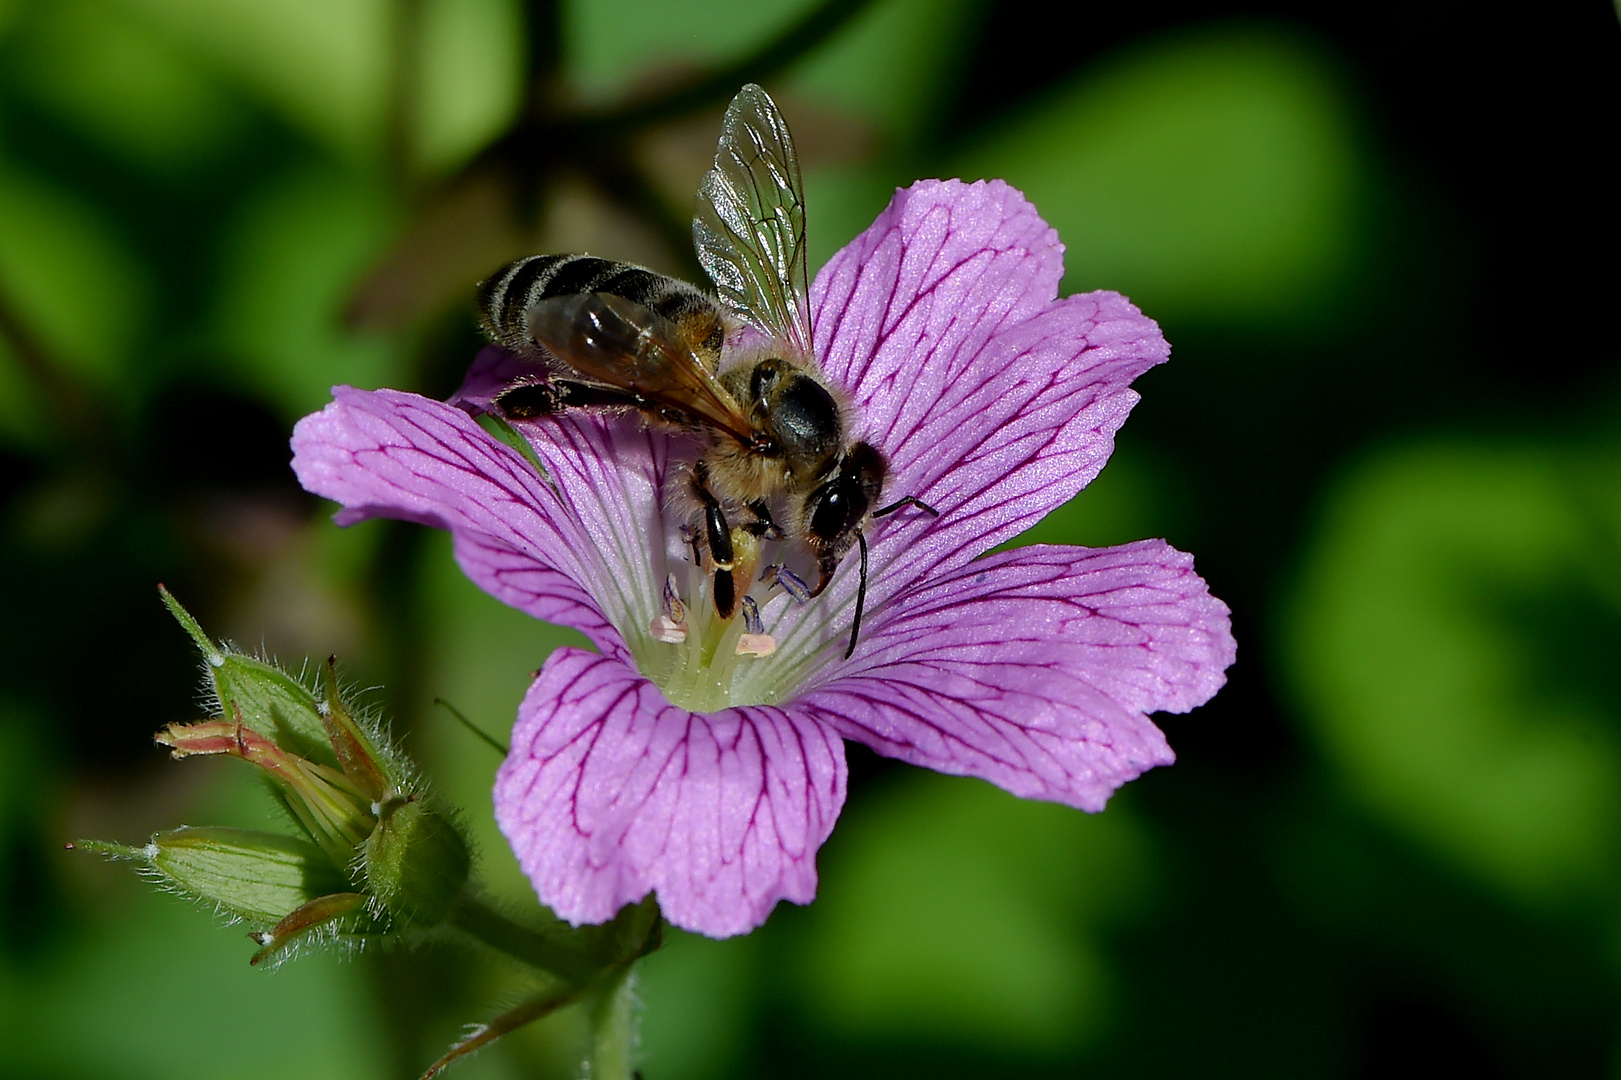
(835, 510)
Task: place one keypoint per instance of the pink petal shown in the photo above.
(494, 369)
(610, 791)
(993, 402)
(544, 548)
(1036, 669)
(517, 578)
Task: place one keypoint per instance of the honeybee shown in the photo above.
(616, 336)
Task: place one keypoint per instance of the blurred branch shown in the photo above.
(623, 179)
(543, 42)
(404, 90)
(499, 194)
(540, 136)
(793, 43)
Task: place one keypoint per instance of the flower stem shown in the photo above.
(500, 933)
(613, 1028)
(594, 963)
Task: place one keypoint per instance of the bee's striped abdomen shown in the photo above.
(504, 299)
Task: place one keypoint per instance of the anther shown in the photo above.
(754, 641)
(671, 626)
(793, 584)
(668, 630)
(751, 616)
(673, 607)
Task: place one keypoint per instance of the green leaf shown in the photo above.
(71, 280)
(952, 911)
(608, 42)
(291, 263)
(1453, 642)
(1211, 174)
(896, 64)
(323, 64)
(472, 76)
(108, 74)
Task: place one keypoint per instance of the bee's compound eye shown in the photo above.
(830, 514)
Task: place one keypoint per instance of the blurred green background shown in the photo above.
(1381, 240)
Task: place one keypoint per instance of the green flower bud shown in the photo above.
(266, 699)
(373, 773)
(382, 855)
(327, 768)
(322, 799)
(285, 884)
(397, 849)
(255, 876)
(322, 912)
(416, 860)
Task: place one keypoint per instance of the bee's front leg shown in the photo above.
(763, 526)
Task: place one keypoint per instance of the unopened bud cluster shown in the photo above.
(379, 854)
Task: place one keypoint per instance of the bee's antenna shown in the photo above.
(906, 500)
(861, 595)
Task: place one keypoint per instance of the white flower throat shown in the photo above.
(697, 658)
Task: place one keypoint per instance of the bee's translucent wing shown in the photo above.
(619, 343)
(750, 226)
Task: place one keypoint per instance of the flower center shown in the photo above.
(704, 663)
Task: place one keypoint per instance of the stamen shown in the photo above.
(793, 584)
(671, 627)
(669, 630)
(754, 641)
(673, 607)
(751, 617)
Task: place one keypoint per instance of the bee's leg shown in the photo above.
(763, 526)
(528, 401)
(907, 500)
(718, 534)
(826, 563)
(532, 400)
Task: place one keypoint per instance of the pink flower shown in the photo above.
(644, 766)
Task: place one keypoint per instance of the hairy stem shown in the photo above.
(613, 1028)
(500, 933)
